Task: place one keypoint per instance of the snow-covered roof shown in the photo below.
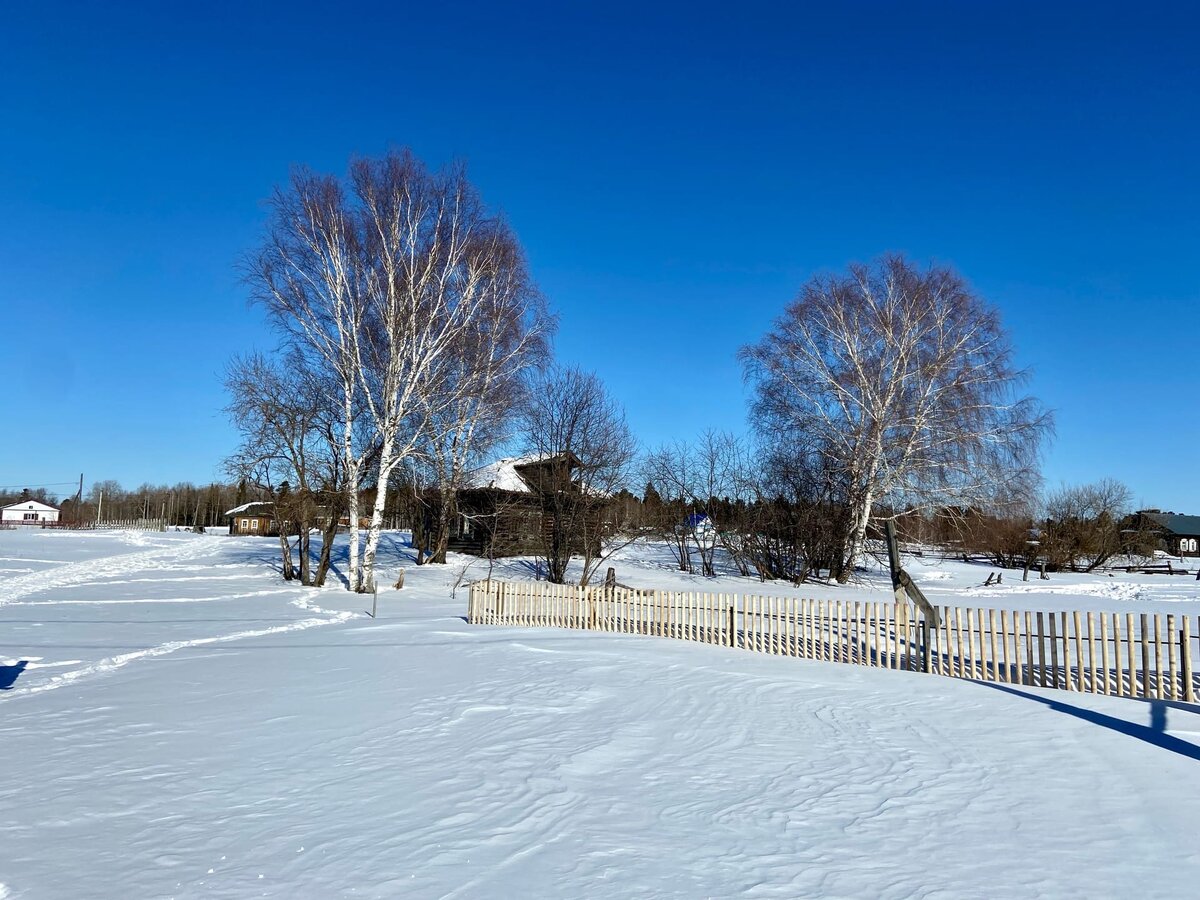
(502, 474)
(267, 508)
(29, 503)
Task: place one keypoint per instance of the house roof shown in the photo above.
(266, 508)
(505, 474)
(502, 475)
(30, 503)
(1176, 523)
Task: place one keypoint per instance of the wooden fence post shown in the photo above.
(1185, 660)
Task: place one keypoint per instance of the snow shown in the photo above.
(244, 507)
(502, 474)
(190, 726)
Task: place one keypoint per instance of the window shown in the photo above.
(245, 525)
(31, 517)
(254, 524)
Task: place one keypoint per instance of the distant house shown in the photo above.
(501, 508)
(700, 528)
(28, 511)
(257, 517)
(1179, 535)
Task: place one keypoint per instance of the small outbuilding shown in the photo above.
(257, 517)
(29, 512)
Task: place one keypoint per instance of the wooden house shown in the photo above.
(257, 517)
(1178, 535)
(507, 508)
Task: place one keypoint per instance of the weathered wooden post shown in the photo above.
(893, 546)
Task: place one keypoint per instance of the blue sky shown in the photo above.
(675, 173)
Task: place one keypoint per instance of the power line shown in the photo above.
(40, 484)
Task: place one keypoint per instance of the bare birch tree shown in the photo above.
(902, 381)
(440, 266)
(309, 276)
(400, 285)
(479, 385)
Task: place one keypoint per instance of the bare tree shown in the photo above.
(572, 420)
(704, 476)
(399, 285)
(477, 388)
(290, 450)
(1087, 525)
(310, 276)
(902, 382)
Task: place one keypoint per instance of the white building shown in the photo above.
(28, 512)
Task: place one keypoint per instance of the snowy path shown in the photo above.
(418, 756)
(48, 603)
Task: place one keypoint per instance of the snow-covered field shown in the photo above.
(179, 723)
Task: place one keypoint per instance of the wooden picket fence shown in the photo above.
(1121, 654)
(130, 525)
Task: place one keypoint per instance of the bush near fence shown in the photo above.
(1128, 655)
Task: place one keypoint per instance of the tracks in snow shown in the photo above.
(85, 571)
(95, 571)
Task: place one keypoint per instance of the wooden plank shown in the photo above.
(992, 639)
(1129, 655)
(1030, 669)
(974, 649)
(1041, 642)
(1080, 681)
(958, 647)
(827, 630)
(1158, 667)
(1145, 642)
(874, 653)
(1053, 650)
(1185, 660)
(855, 656)
(1172, 692)
(1091, 647)
(1118, 680)
(1004, 642)
(1103, 653)
(840, 629)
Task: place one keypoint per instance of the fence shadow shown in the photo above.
(9, 674)
(1154, 733)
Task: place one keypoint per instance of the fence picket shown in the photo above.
(1118, 680)
(1158, 671)
(1185, 660)
(1145, 641)
(1172, 694)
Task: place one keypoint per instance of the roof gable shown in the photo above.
(32, 504)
